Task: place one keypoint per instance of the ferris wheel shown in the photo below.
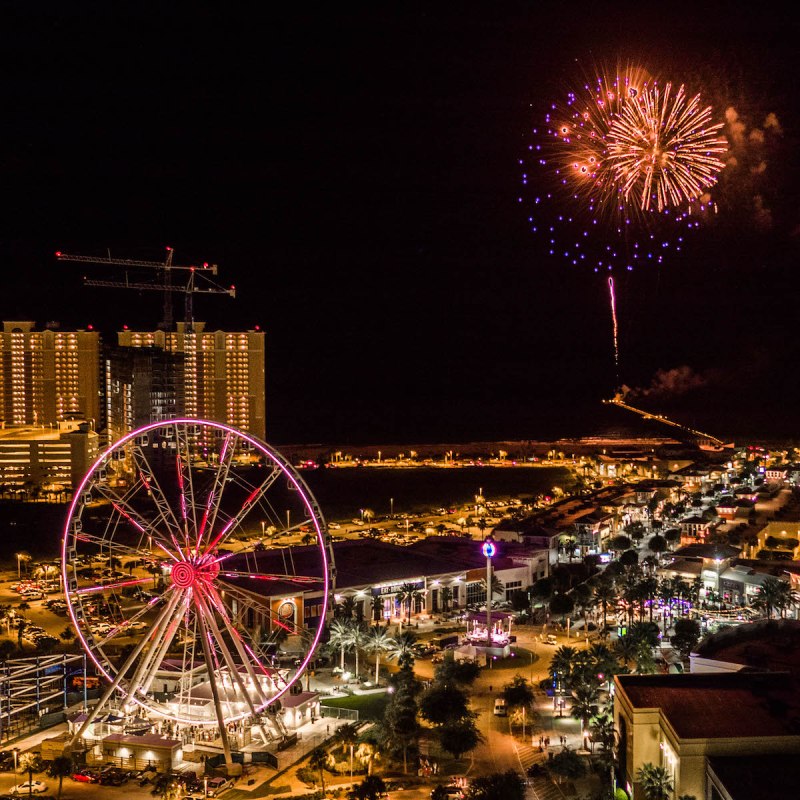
(197, 569)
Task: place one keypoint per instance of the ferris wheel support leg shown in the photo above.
(223, 731)
(119, 676)
(226, 654)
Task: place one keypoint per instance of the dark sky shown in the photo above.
(355, 173)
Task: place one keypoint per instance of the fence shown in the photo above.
(335, 712)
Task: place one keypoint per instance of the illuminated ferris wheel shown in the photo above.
(197, 570)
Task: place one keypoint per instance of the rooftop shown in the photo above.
(772, 645)
(720, 705)
(364, 562)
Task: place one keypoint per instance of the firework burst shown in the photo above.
(618, 171)
(610, 193)
(664, 148)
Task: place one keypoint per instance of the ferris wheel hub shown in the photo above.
(184, 574)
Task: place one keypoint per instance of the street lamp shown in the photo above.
(489, 549)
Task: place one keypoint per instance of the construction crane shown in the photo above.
(189, 287)
(618, 400)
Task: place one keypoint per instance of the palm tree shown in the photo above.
(498, 588)
(347, 607)
(377, 607)
(318, 760)
(562, 663)
(339, 636)
(67, 635)
(371, 788)
(347, 737)
(446, 596)
(22, 623)
(775, 593)
(60, 768)
(358, 638)
(7, 649)
(405, 595)
(30, 763)
(378, 641)
(605, 593)
(626, 647)
(584, 706)
(368, 751)
(656, 782)
(567, 764)
(403, 648)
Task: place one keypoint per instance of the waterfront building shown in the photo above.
(48, 376)
(221, 377)
(382, 581)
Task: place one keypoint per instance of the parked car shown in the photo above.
(218, 785)
(451, 791)
(85, 776)
(112, 776)
(35, 787)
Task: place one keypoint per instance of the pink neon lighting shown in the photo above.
(105, 587)
(127, 516)
(302, 492)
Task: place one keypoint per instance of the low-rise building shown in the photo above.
(679, 722)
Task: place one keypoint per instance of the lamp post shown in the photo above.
(489, 549)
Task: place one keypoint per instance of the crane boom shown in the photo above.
(132, 262)
(153, 287)
(188, 286)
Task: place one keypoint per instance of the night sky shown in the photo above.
(355, 173)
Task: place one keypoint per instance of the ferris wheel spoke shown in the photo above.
(268, 576)
(215, 493)
(152, 660)
(108, 587)
(146, 528)
(233, 669)
(245, 653)
(183, 466)
(156, 493)
(189, 659)
(245, 509)
(110, 545)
